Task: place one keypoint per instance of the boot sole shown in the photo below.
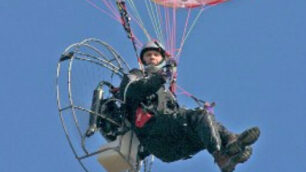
(247, 138)
(239, 158)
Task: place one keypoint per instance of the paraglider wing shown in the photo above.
(187, 3)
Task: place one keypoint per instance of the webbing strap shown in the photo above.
(125, 21)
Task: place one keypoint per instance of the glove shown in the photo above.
(170, 68)
(209, 107)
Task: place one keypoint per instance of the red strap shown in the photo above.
(142, 117)
(114, 90)
(173, 87)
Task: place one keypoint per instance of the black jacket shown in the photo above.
(148, 90)
(166, 135)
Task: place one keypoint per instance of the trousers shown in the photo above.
(181, 135)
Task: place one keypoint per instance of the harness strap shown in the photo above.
(125, 21)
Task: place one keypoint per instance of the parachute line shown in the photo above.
(183, 35)
(161, 25)
(138, 19)
(190, 29)
(152, 17)
(173, 31)
(156, 18)
(116, 18)
(163, 22)
(159, 21)
(168, 27)
(111, 8)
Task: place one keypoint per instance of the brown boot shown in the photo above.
(228, 163)
(239, 142)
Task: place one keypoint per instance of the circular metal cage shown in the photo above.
(81, 67)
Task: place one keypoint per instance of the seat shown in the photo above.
(120, 154)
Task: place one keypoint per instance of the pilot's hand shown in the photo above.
(170, 68)
(209, 107)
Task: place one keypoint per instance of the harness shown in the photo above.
(162, 102)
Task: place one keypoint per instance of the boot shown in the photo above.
(228, 163)
(239, 142)
(213, 132)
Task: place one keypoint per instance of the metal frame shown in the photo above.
(72, 53)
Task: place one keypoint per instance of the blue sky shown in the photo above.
(248, 56)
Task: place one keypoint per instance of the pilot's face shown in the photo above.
(152, 57)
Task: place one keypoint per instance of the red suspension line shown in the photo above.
(113, 7)
(110, 8)
(183, 91)
(103, 11)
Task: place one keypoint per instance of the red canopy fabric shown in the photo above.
(187, 3)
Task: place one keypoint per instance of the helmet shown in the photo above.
(153, 45)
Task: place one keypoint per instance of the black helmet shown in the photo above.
(153, 45)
